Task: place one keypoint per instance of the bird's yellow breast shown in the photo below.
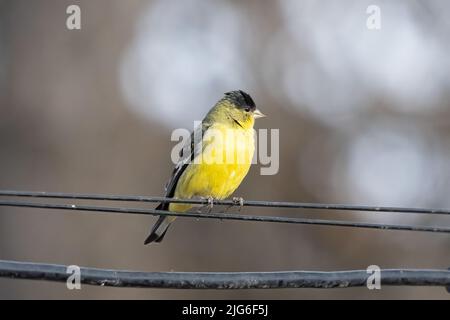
(221, 166)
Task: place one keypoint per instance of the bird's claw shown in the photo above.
(238, 201)
(209, 206)
(210, 203)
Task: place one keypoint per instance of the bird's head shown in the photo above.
(239, 107)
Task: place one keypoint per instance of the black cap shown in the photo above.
(241, 99)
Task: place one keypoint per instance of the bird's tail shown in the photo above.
(160, 228)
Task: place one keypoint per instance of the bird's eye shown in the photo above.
(247, 109)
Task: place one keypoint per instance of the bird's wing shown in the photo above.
(187, 154)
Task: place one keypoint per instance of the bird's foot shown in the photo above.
(237, 201)
(209, 206)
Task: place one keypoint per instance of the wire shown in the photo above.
(250, 203)
(224, 280)
(225, 216)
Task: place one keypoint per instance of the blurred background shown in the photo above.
(364, 118)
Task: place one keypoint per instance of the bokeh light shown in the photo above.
(172, 81)
(337, 63)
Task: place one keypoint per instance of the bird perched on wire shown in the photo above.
(215, 160)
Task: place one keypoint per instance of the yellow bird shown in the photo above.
(214, 166)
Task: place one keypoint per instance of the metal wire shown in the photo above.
(224, 280)
(225, 216)
(250, 203)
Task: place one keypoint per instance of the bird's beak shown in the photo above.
(258, 114)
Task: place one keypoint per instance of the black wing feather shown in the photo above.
(181, 167)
